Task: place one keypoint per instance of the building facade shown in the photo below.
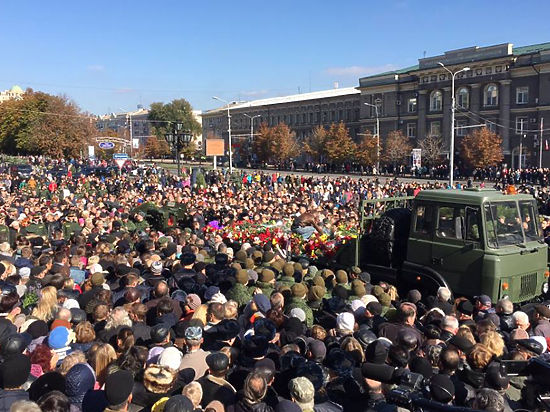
(15, 92)
(301, 112)
(506, 88)
(141, 126)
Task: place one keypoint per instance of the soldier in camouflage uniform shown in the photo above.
(266, 281)
(287, 279)
(298, 300)
(239, 292)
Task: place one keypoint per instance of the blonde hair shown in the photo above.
(101, 359)
(392, 291)
(231, 309)
(354, 348)
(494, 343)
(193, 391)
(85, 332)
(480, 356)
(200, 313)
(70, 360)
(466, 332)
(47, 305)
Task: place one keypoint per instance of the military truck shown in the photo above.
(474, 241)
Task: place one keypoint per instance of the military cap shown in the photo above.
(266, 275)
(288, 269)
(242, 276)
(240, 256)
(299, 290)
(341, 276)
(316, 293)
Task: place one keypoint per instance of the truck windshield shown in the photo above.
(509, 225)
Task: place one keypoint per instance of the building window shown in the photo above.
(435, 128)
(412, 105)
(490, 96)
(521, 124)
(436, 101)
(463, 98)
(522, 95)
(411, 130)
(460, 129)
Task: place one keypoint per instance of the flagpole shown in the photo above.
(540, 148)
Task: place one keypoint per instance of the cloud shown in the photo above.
(356, 71)
(96, 68)
(124, 91)
(254, 93)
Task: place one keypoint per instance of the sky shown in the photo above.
(110, 56)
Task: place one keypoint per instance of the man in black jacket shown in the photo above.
(214, 385)
(14, 372)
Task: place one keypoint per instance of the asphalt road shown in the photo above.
(172, 166)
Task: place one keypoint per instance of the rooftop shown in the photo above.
(345, 91)
(515, 51)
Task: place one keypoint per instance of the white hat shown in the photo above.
(218, 298)
(24, 272)
(156, 267)
(542, 341)
(358, 307)
(171, 357)
(366, 299)
(298, 313)
(70, 304)
(345, 321)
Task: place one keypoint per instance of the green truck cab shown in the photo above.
(474, 241)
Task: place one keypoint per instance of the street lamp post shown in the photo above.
(377, 137)
(129, 121)
(176, 140)
(228, 132)
(453, 108)
(251, 127)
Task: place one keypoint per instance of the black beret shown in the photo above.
(118, 387)
(461, 343)
(376, 352)
(314, 373)
(188, 258)
(37, 329)
(339, 361)
(159, 333)
(221, 259)
(265, 327)
(442, 388)
(255, 346)
(15, 371)
(51, 381)
(365, 336)
(422, 366)
(13, 345)
(466, 307)
(217, 361)
(225, 330)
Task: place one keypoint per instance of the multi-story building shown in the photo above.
(506, 88)
(141, 125)
(120, 123)
(15, 92)
(301, 112)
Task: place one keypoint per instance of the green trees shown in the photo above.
(165, 116)
(40, 123)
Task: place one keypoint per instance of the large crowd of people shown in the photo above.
(101, 309)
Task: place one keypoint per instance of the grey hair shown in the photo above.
(489, 399)
(444, 293)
